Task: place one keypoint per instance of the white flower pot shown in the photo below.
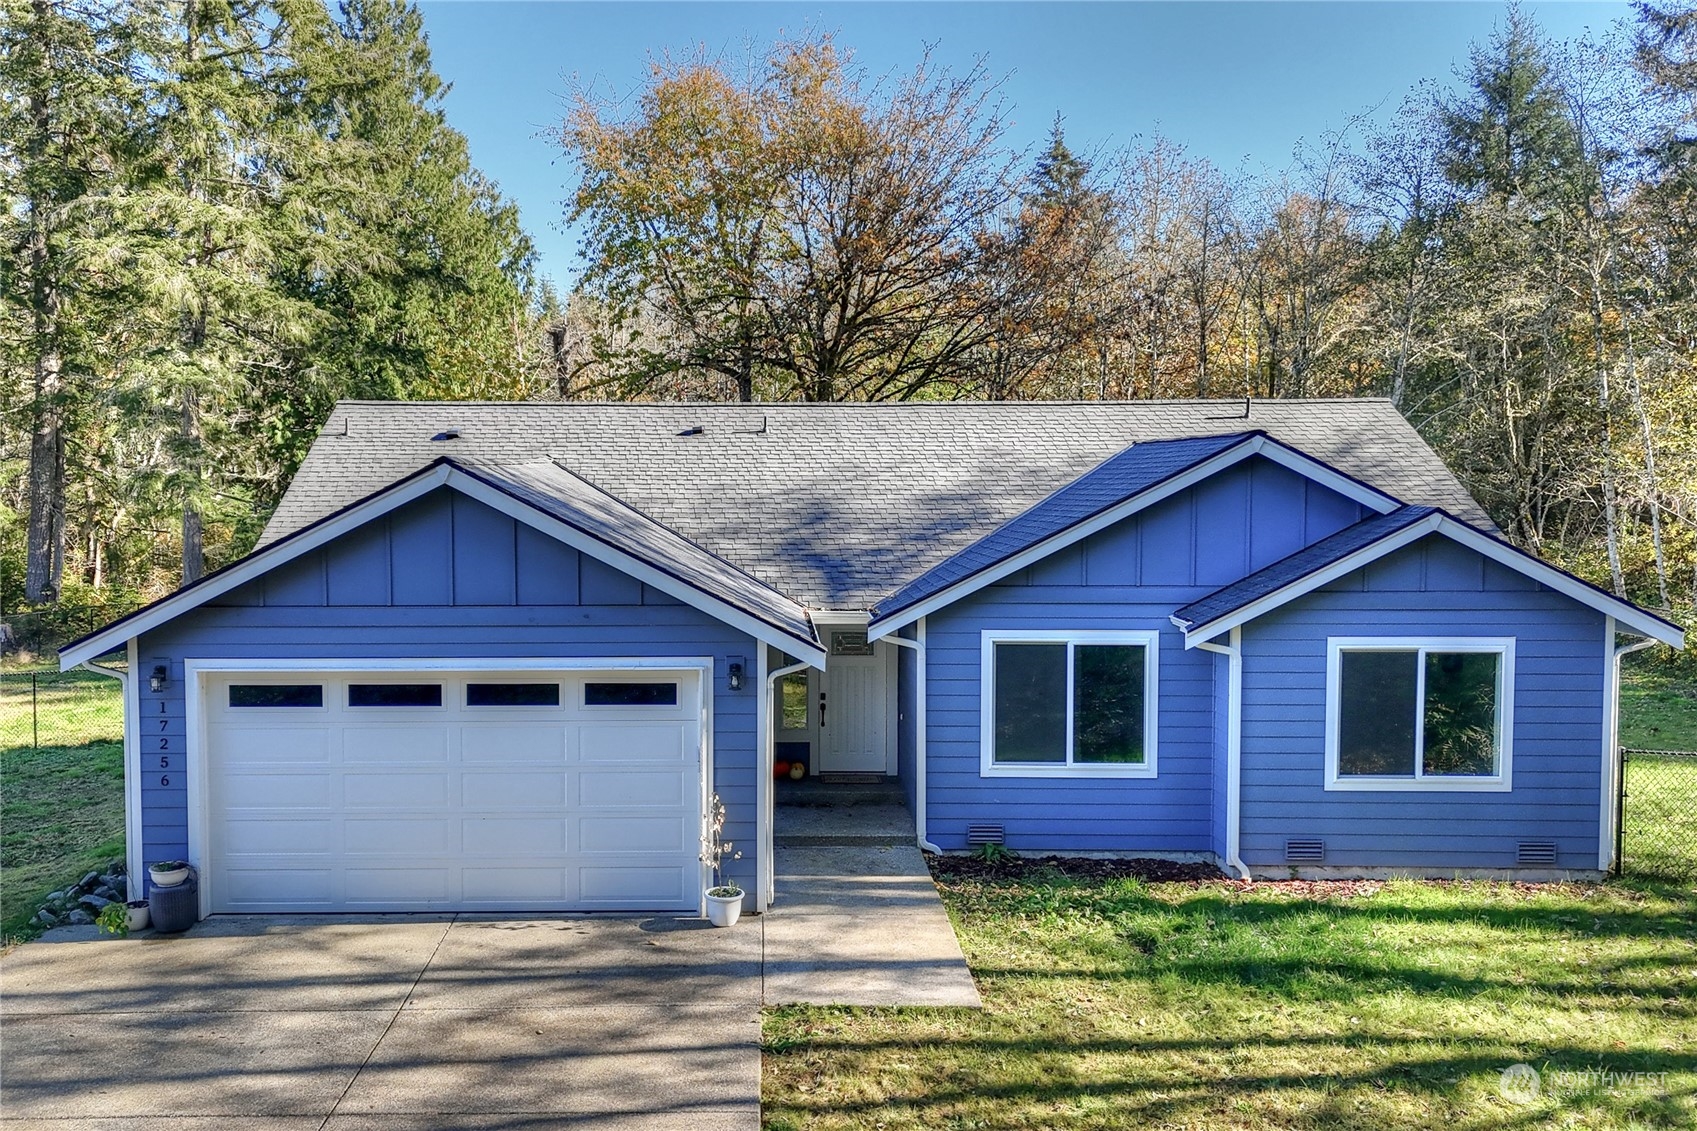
(724, 910)
(137, 915)
(168, 879)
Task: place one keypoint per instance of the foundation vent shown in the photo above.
(1305, 851)
(984, 834)
(1536, 852)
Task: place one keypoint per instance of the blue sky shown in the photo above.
(1238, 83)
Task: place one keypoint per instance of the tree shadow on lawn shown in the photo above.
(1343, 953)
(1145, 1089)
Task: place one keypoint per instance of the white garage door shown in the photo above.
(474, 791)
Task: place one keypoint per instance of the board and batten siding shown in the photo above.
(1433, 588)
(443, 577)
(1130, 576)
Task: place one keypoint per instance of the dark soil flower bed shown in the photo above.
(1082, 867)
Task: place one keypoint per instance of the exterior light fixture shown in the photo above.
(734, 676)
(156, 681)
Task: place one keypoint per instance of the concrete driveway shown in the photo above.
(386, 1022)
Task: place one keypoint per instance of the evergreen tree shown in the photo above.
(69, 108)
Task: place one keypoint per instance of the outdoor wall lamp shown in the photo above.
(156, 681)
(733, 676)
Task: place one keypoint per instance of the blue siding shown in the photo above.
(1433, 588)
(349, 600)
(1129, 576)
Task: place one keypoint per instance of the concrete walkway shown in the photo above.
(859, 925)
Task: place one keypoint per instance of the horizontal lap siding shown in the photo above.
(1431, 589)
(1129, 576)
(448, 550)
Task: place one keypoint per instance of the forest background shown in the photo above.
(221, 216)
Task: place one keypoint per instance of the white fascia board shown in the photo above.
(570, 535)
(1628, 615)
(839, 618)
(400, 494)
(1310, 468)
(1197, 634)
(1262, 445)
(260, 562)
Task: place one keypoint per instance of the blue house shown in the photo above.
(498, 656)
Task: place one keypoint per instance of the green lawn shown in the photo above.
(62, 805)
(1115, 1004)
(1657, 711)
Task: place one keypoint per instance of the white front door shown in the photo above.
(454, 791)
(855, 716)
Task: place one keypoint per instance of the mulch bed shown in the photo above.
(1081, 867)
(1147, 869)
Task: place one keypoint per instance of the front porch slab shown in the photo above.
(818, 814)
(861, 925)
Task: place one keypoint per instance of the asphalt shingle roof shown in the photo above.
(1119, 477)
(1272, 578)
(838, 505)
(571, 499)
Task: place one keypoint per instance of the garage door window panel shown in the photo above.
(394, 695)
(293, 695)
(512, 695)
(630, 694)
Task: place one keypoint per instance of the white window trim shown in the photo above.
(990, 768)
(1500, 782)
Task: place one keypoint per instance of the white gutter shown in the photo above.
(129, 691)
(1233, 653)
(1612, 762)
(918, 646)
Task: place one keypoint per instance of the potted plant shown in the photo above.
(136, 912)
(724, 900)
(168, 873)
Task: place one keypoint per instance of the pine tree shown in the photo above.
(68, 119)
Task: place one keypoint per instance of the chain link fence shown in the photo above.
(1658, 825)
(42, 708)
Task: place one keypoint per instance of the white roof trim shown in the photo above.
(1262, 445)
(398, 495)
(570, 535)
(1629, 616)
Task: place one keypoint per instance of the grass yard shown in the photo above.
(62, 805)
(1657, 711)
(1117, 1004)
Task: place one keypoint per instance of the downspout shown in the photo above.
(918, 646)
(1233, 652)
(1617, 760)
(132, 829)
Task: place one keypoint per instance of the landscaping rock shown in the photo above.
(47, 918)
(89, 880)
(81, 918)
(106, 892)
(94, 902)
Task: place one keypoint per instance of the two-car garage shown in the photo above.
(450, 789)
